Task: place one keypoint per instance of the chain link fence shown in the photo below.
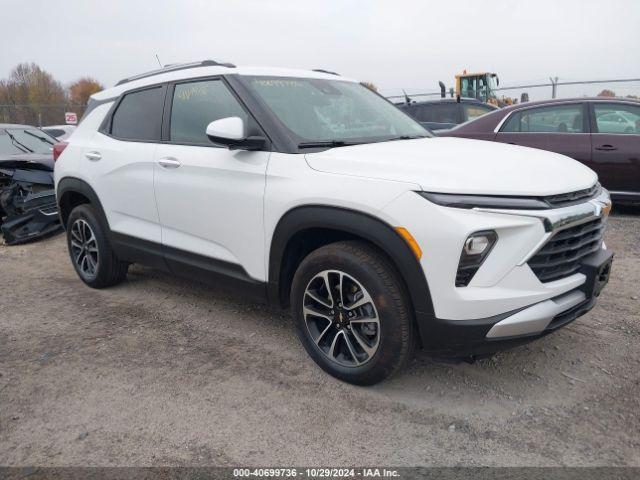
(39, 115)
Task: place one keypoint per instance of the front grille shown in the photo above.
(562, 254)
(565, 199)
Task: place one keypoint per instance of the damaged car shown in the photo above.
(28, 207)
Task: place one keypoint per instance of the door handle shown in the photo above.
(169, 162)
(94, 156)
(606, 148)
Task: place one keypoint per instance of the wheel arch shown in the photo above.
(72, 192)
(336, 223)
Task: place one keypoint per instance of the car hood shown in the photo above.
(31, 161)
(457, 165)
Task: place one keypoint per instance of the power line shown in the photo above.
(534, 85)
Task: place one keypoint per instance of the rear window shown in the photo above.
(475, 110)
(139, 116)
(56, 132)
(437, 113)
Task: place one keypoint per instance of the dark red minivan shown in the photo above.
(603, 133)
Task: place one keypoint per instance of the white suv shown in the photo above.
(307, 189)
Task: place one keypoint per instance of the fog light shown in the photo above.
(476, 244)
(475, 251)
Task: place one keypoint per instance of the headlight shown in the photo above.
(474, 252)
(485, 201)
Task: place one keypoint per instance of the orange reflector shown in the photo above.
(404, 233)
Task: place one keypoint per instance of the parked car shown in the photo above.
(308, 190)
(61, 132)
(446, 113)
(602, 133)
(28, 208)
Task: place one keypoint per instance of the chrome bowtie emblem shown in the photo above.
(600, 208)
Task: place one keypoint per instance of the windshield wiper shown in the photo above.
(405, 137)
(326, 143)
(18, 144)
(42, 139)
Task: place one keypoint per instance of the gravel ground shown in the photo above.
(162, 371)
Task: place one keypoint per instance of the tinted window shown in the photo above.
(617, 118)
(437, 113)
(54, 131)
(196, 105)
(139, 115)
(556, 119)
(474, 110)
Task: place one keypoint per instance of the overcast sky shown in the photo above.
(394, 44)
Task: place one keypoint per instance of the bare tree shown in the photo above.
(29, 94)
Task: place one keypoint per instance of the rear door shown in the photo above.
(616, 145)
(561, 128)
(119, 163)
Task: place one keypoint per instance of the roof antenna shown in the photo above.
(406, 97)
(158, 58)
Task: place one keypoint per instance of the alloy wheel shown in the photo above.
(341, 318)
(84, 248)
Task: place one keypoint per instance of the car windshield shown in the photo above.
(15, 141)
(335, 112)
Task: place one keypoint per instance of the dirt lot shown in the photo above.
(161, 371)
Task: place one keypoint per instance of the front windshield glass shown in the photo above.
(318, 110)
(27, 140)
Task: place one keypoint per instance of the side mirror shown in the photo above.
(231, 132)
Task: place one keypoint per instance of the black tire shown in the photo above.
(109, 270)
(366, 265)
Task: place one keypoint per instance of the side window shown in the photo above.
(139, 116)
(195, 105)
(617, 118)
(473, 110)
(553, 119)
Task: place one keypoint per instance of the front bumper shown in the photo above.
(449, 338)
(505, 304)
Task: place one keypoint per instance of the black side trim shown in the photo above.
(365, 226)
(226, 275)
(137, 250)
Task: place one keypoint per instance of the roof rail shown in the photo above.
(175, 67)
(325, 71)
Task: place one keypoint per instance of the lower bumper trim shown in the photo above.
(536, 318)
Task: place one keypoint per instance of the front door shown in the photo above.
(210, 198)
